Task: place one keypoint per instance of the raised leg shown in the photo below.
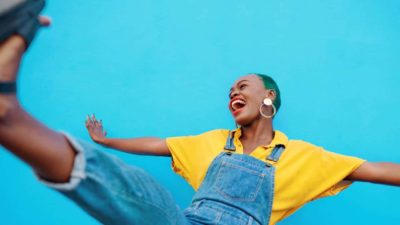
(46, 151)
(101, 184)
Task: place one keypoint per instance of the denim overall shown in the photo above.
(238, 189)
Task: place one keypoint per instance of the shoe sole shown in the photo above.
(20, 17)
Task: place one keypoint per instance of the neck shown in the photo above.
(259, 132)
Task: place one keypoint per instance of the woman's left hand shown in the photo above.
(95, 129)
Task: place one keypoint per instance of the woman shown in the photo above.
(255, 169)
(247, 176)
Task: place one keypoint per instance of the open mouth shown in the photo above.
(237, 104)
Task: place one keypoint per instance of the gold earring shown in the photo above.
(268, 102)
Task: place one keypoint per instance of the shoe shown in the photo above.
(20, 17)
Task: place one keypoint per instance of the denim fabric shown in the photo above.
(115, 193)
(237, 190)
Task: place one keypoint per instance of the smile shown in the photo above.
(237, 104)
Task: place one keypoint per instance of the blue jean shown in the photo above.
(115, 193)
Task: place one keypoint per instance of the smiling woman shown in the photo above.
(253, 175)
(236, 104)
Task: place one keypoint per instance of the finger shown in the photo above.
(45, 21)
(94, 118)
(90, 121)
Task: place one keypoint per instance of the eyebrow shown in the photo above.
(230, 90)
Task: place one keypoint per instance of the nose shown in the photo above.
(234, 93)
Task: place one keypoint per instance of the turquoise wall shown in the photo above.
(164, 68)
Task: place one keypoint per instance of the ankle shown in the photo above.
(14, 44)
(11, 52)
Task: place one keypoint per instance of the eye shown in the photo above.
(242, 86)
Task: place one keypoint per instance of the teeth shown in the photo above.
(236, 102)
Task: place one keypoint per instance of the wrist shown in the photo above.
(101, 141)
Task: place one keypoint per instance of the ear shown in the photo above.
(271, 94)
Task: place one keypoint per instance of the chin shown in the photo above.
(242, 121)
(245, 119)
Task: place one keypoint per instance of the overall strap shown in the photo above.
(276, 153)
(229, 146)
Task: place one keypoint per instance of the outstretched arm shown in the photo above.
(382, 173)
(144, 146)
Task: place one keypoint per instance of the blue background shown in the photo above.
(164, 68)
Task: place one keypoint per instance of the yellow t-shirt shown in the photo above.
(304, 171)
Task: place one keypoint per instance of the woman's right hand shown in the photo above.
(95, 129)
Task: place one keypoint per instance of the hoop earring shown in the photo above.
(268, 102)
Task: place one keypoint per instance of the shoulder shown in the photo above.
(309, 151)
(303, 146)
(211, 135)
(216, 133)
(305, 151)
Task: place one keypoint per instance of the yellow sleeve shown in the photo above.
(191, 155)
(332, 170)
(182, 150)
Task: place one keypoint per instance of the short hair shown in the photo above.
(269, 83)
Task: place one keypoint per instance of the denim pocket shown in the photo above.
(203, 215)
(238, 183)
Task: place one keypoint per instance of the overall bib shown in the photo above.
(237, 189)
